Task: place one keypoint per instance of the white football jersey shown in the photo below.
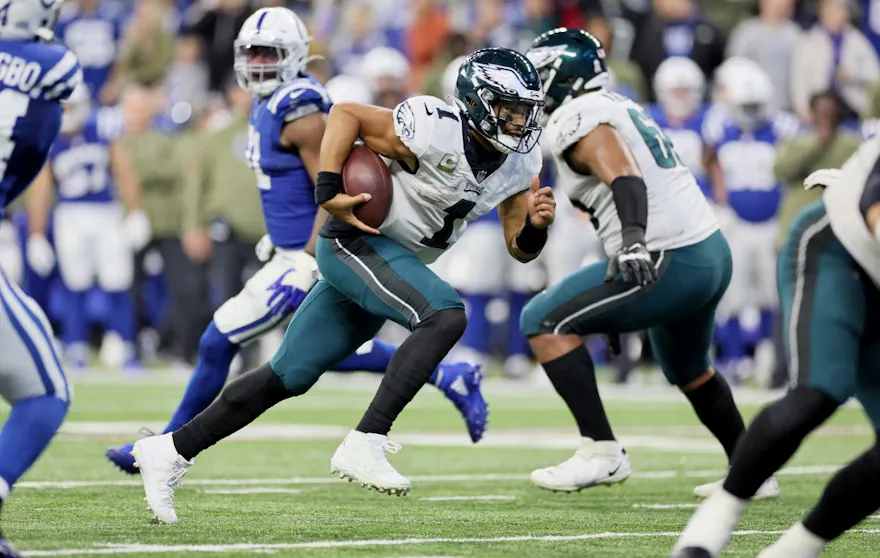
(431, 206)
(678, 213)
(842, 207)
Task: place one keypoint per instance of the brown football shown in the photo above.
(365, 172)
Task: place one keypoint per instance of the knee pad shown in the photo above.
(801, 411)
(448, 323)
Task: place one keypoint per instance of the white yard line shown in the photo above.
(258, 490)
(467, 498)
(666, 506)
(490, 477)
(513, 438)
(256, 547)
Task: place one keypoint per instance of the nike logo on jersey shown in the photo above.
(428, 111)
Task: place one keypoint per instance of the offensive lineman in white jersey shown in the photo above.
(449, 164)
(828, 279)
(669, 263)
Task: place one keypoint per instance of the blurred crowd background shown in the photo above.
(160, 74)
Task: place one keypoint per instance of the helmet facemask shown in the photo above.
(261, 68)
(680, 102)
(512, 123)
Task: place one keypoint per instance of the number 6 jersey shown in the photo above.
(678, 213)
(432, 203)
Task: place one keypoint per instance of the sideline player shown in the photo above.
(34, 79)
(669, 263)
(680, 112)
(89, 170)
(287, 124)
(741, 150)
(828, 278)
(371, 276)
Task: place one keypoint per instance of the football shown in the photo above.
(365, 172)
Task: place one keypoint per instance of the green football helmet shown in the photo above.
(500, 91)
(569, 61)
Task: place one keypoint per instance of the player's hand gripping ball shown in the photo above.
(542, 205)
(368, 191)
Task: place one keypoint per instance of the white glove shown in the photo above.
(264, 248)
(137, 230)
(823, 177)
(40, 255)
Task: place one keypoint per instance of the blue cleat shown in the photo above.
(122, 458)
(7, 550)
(121, 455)
(460, 382)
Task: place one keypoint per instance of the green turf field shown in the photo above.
(268, 491)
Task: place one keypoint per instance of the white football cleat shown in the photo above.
(594, 463)
(767, 491)
(361, 457)
(162, 469)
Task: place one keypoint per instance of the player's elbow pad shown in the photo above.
(631, 200)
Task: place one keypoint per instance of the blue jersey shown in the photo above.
(746, 159)
(34, 78)
(687, 137)
(94, 39)
(286, 189)
(81, 164)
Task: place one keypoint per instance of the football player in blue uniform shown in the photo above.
(286, 128)
(742, 151)
(92, 31)
(34, 78)
(88, 168)
(681, 87)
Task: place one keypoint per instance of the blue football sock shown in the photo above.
(121, 316)
(215, 356)
(768, 318)
(28, 430)
(517, 344)
(478, 333)
(376, 360)
(75, 324)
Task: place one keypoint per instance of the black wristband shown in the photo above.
(631, 201)
(530, 239)
(327, 186)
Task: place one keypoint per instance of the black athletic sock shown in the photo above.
(411, 367)
(773, 437)
(850, 496)
(714, 405)
(242, 401)
(574, 378)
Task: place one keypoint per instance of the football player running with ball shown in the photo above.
(669, 263)
(287, 123)
(828, 276)
(437, 153)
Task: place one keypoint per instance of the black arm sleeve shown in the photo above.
(871, 193)
(631, 200)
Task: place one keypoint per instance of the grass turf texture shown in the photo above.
(302, 505)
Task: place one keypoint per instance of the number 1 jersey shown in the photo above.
(433, 202)
(34, 78)
(678, 213)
